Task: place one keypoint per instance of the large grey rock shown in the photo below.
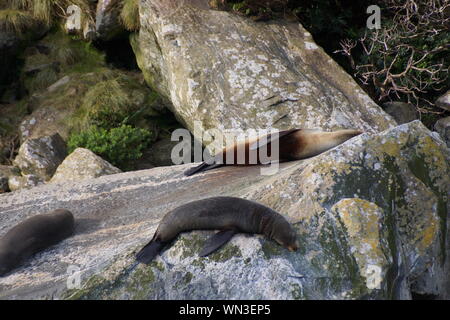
(160, 152)
(402, 112)
(443, 101)
(442, 126)
(231, 73)
(41, 156)
(371, 216)
(107, 23)
(82, 164)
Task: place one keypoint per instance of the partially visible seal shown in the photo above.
(294, 144)
(228, 214)
(33, 235)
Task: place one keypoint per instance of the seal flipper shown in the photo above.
(270, 138)
(216, 241)
(149, 252)
(202, 167)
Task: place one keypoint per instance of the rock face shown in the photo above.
(371, 216)
(41, 156)
(107, 22)
(82, 164)
(27, 181)
(160, 152)
(443, 101)
(442, 126)
(402, 112)
(232, 73)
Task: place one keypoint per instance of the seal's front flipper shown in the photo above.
(216, 241)
(200, 168)
(149, 252)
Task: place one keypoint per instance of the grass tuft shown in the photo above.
(16, 21)
(129, 15)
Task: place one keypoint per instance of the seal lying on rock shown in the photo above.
(33, 235)
(294, 144)
(228, 214)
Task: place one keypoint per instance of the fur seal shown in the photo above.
(33, 235)
(228, 214)
(294, 144)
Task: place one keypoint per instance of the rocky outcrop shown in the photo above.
(26, 181)
(107, 23)
(82, 164)
(41, 156)
(231, 73)
(442, 126)
(160, 152)
(402, 112)
(443, 101)
(371, 217)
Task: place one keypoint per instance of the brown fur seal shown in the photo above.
(33, 235)
(228, 214)
(294, 144)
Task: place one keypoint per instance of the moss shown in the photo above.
(187, 278)
(271, 249)
(199, 263)
(76, 294)
(225, 253)
(139, 282)
(191, 244)
(297, 292)
(420, 167)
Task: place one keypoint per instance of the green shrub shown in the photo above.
(117, 145)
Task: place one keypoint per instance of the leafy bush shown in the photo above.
(117, 145)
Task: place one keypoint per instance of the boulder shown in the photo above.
(443, 101)
(107, 23)
(5, 173)
(45, 121)
(228, 72)
(160, 152)
(402, 112)
(442, 126)
(41, 156)
(27, 181)
(371, 217)
(82, 164)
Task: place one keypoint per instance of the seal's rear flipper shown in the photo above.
(149, 252)
(216, 241)
(203, 167)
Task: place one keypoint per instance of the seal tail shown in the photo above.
(149, 252)
(202, 167)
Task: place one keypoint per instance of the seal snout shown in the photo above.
(293, 247)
